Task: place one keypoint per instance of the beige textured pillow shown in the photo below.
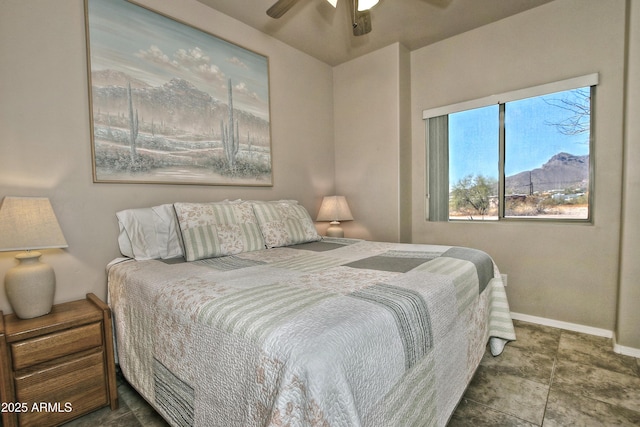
(217, 229)
(284, 223)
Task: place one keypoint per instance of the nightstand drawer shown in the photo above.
(37, 350)
(69, 388)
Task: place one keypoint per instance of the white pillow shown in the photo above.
(149, 233)
(168, 231)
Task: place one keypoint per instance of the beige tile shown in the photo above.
(595, 351)
(598, 384)
(509, 394)
(470, 413)
(537, 338)
(106, 417)
(139, 407)
(522, 362)
(151, 418)
(564, 409)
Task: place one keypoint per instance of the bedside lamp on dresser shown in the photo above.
(28, 223)
(56, 361)
(334, 209)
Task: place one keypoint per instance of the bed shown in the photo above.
(237, 313)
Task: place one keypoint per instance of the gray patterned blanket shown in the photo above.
(339, 332)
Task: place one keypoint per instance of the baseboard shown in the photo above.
(627, 351)
(575, 327)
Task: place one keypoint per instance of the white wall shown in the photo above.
(45, 146)
(564, 272)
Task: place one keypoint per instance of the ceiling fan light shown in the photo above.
(366, 4)
(333, 3)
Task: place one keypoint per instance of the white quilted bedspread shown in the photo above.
(335, 333)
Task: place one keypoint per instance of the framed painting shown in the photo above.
(173, 104)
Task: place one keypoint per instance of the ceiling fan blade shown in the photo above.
(280, 7)
(361, 23)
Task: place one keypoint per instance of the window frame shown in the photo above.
(589, 80)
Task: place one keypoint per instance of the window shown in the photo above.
(523, 154)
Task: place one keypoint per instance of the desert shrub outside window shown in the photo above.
(520, 155)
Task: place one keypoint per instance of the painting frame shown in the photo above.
(171, 103)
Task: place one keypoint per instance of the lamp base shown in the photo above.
(335, 230)
(30, 286)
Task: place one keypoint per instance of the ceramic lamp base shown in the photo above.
(335, 230)
(30, 286)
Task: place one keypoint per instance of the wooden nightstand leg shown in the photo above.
(110, 358)
(6, 382)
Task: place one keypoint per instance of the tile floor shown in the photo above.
(548, 377)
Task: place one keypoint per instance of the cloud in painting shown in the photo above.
(192, 62)
(195, 65)
(155, 55)
(242, 89)
(210, 73)
(236, 61)
(192, 59)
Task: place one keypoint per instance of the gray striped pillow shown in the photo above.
(217, 229)
(284, 223)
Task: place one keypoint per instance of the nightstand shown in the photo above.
(59, 366)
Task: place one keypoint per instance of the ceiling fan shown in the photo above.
(360, 15)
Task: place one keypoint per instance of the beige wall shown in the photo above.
(370, 140)
(45, 138)
(565, 272)
(628, 328)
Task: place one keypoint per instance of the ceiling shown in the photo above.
(315, 27)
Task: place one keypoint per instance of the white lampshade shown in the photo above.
(362, 4)
(366, 4)
(28, 223)
(334, 209)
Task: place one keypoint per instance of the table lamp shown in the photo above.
(334, 209)
(28, 223)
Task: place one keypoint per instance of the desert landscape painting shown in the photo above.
(173, 104)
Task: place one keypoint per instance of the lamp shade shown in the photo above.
(366, 4)
(29, 223)
(334, 208)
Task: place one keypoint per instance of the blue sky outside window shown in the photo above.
(546, 156)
